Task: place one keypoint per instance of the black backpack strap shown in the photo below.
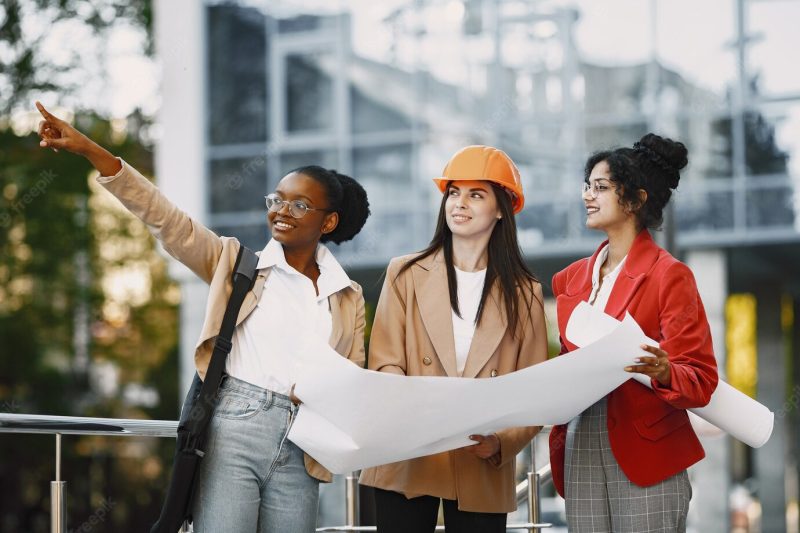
(244, 275)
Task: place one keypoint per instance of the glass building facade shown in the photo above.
(286, 98)
(290, 85)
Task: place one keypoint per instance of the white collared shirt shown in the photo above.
(289, 309)
(601, 293)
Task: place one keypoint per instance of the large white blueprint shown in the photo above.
(353, 418)
(729, 409)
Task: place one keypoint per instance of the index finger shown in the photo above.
(45, 113)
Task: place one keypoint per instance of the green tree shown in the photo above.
(68, 250)
(26, 26)
(50, 215)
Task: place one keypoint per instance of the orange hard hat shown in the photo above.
(484, 163)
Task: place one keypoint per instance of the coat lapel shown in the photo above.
(488, 334)
(581, 282)
(433, 299)
(624, 289)
(641, 258)
(252, 297)
(337, 327)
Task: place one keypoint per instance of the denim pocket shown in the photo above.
(235, 407)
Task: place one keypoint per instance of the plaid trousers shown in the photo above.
(599, 496)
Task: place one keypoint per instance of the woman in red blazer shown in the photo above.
(621, 464)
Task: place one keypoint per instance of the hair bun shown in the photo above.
(353, 191)
(669, 155)
(345, 197)
(354, 209)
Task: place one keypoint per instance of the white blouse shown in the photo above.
(289, 309)
(601, 293)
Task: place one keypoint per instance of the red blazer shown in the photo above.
(649, 430)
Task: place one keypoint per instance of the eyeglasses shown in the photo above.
(297, 208)
(594, 189)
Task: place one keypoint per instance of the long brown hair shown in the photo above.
(505, 264)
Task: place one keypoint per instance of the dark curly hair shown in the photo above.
(346, 197)
(653, 165)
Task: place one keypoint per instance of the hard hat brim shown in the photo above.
(517, 200)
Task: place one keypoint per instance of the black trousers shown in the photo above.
(394, 513)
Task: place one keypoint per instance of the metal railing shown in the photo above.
(76, 425)
(529, 489)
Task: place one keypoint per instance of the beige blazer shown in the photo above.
(413, 335)
(212, 258)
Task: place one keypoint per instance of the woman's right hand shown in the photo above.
(60, 135)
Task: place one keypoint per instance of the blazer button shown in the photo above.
(426, 360)
(494, 373)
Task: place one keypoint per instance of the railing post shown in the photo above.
(351, 499)
(58, 496)
(534, 498)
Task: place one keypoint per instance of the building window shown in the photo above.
(237, 75)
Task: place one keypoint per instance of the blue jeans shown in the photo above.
(252, 478)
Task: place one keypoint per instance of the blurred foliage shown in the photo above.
(51, 212)
(762, 154)
(66, 245)
(26, 24)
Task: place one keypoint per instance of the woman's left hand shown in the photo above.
(656, 366)
(488, 445)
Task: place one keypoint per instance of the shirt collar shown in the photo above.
(272, 256)
(332, 277)
(601, 258)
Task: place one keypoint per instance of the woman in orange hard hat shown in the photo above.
(466, 306)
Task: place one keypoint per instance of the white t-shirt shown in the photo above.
(265, 345)
(470, 287)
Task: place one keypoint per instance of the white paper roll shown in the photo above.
(729, 409)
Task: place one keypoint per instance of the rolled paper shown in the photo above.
(730, 410)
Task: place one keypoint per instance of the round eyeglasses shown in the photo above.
(595, 189)
(297, 208)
